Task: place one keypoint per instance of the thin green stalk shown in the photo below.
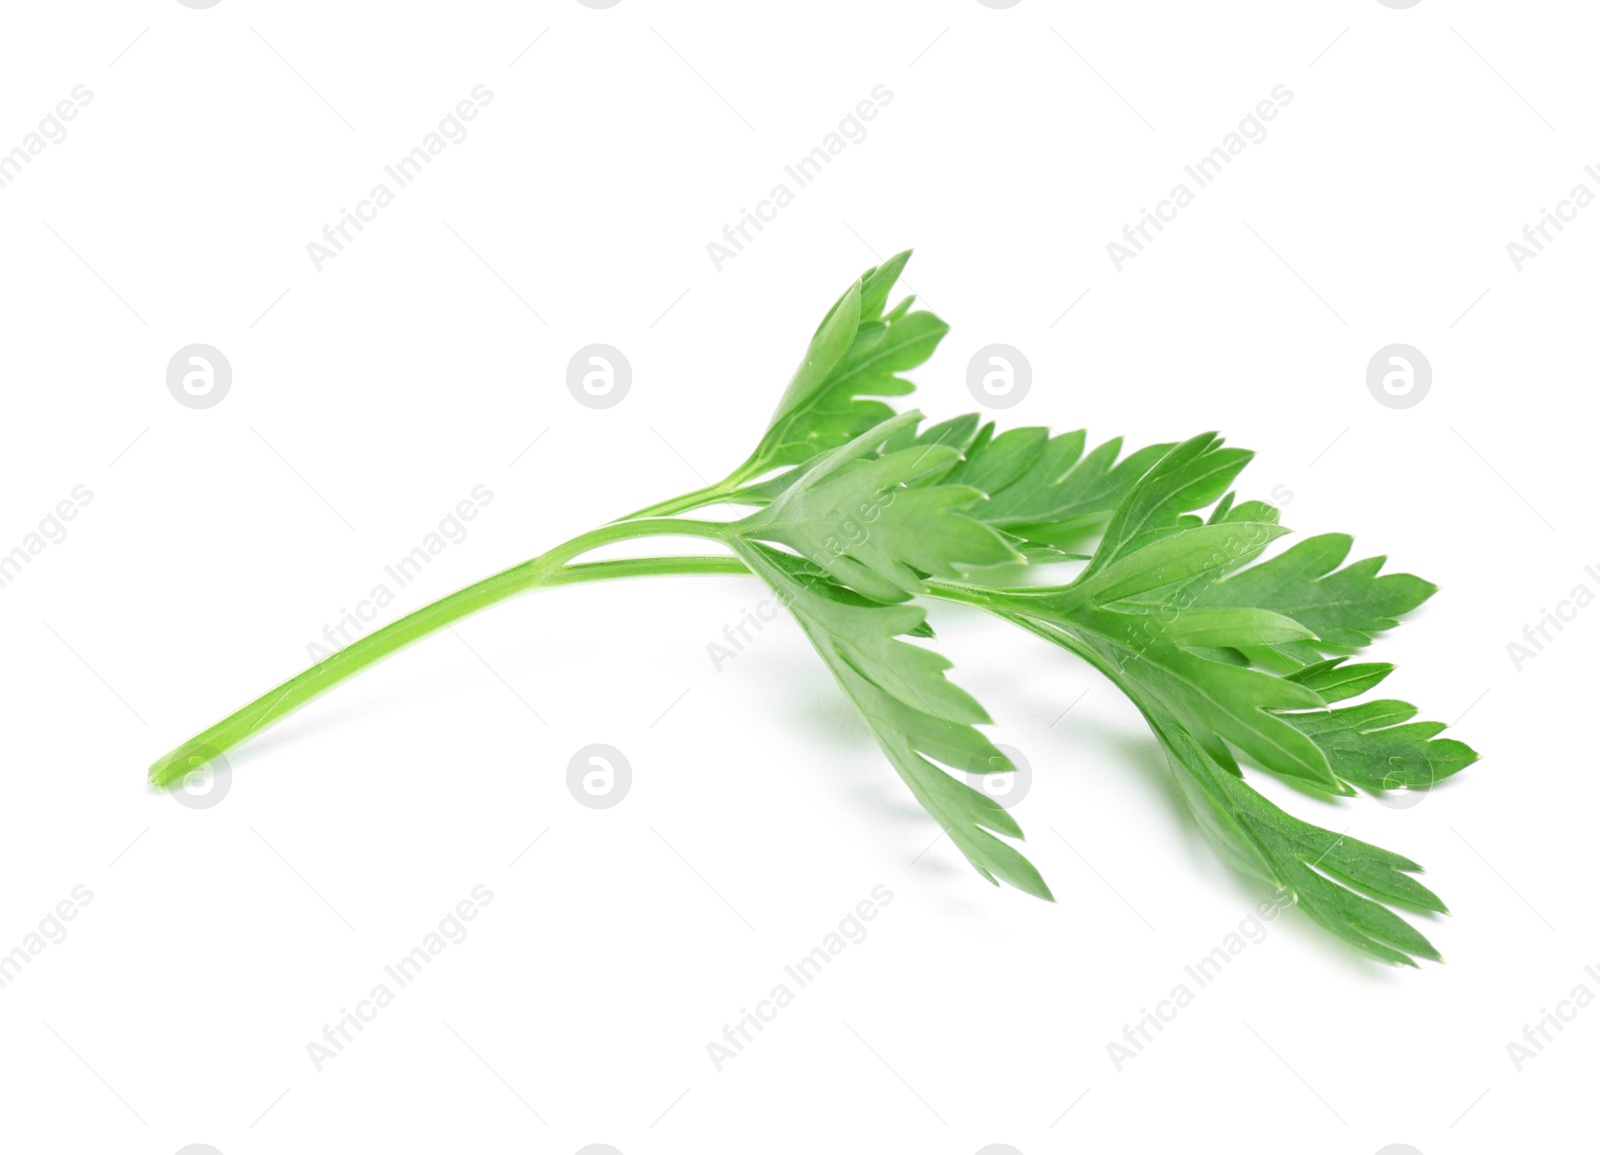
(696, 499)
(730, 489)
(587, 571)
(549, 569)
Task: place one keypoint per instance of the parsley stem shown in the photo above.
(730, 489)
(645, 567)
(549, 569)
(695, 499)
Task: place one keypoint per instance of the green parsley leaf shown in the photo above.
(1343, 608)
(866, 521)
(864, 533)
(1171, 609)
(857, 354)
(1045, 490)
(1330, 876)
(1377, 746)
(921, 721)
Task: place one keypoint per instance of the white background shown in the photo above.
(370, 397)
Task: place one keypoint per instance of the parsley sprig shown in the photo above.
(859, 516)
